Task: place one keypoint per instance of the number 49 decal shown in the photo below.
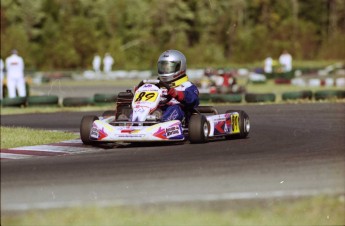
(146, 96)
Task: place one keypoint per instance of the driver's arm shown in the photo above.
(188, 97)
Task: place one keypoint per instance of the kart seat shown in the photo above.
(206, 110)
(123, 104)
(125, 96)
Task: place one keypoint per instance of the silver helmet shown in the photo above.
(172, 65)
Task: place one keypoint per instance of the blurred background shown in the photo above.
(227, 43)
(66, 34)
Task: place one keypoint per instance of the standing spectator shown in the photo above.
(107, 63)
(2, 66)
(15, 75)
(285, 60)
(96, 63)
(268, 65)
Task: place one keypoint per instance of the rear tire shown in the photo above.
(244, 124)
(85, 128)
(198, 129)
(207, 110)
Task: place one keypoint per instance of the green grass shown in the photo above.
(322, 210)
(18, 136)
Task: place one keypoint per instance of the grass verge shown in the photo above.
(18, 136)
(321, 210)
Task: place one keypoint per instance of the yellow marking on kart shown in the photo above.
(149, 96)
(235, 123)
(107, 126)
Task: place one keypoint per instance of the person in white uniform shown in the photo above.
(107, 63)
(96, 63)
(2, 66)
(285, 60)
(268, 65)
(15, 75)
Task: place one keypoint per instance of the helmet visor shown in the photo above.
(168, 67)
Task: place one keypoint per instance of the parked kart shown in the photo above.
(137, 118)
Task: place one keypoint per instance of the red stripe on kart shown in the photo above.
(219, 127)
(28, 152)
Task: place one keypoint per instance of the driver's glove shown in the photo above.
(178, 95)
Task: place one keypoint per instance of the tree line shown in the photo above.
(66, 34)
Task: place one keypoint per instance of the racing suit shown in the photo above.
(186, 96)
(15, 76)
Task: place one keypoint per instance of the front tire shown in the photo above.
(198, 129)
(85, 128)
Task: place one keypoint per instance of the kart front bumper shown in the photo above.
(166, 131)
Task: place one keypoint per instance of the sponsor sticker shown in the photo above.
(94, 133)
(130, 135)
(172, 131)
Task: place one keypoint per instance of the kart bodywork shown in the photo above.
(137, 119)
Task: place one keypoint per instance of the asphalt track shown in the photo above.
(292, 150)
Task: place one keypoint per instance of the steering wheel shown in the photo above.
(166, 98)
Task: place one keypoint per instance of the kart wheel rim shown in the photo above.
(247, 125)
(205, 129)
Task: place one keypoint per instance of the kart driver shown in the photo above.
(172, 70)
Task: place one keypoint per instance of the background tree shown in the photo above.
(65, 34)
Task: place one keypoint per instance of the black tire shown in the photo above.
(104, 98)
(262, 97)
(14, 102)
(226, 98)
(307, 94)
(43, 100)
(109, 113)
(85, 128)
(5, 90)
(233, 98)
(207, 110)
(27, 89)
(77, 101)
(244, 124)
(329, 94)
(204, 97)
(198, 129)
(125, 95)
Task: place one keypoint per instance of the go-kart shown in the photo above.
(137, 118)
